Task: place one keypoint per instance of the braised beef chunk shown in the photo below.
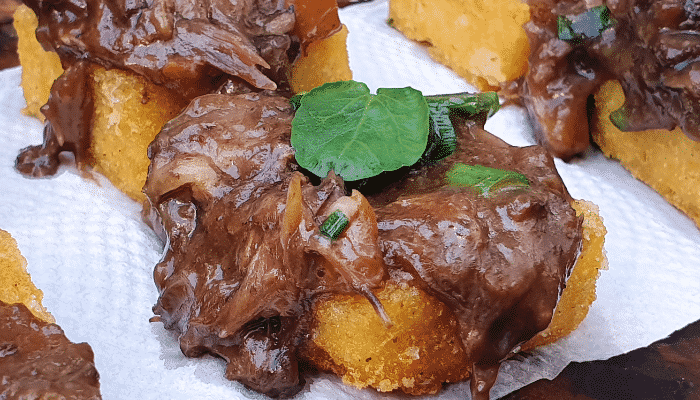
(246, 260)
(188, 47)
(266, 361)
(38, 361)
(172, 42)
(651, 47)
(508, 247)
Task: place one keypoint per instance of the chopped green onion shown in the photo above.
(587, 25)
(334, 225)
(443, 140)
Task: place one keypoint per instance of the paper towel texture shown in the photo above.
(93, 257)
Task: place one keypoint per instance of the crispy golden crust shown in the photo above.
(484, 42)
(15, 283)
(39, 68)
(667, 161)
(129, 109)
(422, 350)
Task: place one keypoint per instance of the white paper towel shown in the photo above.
(88, 250)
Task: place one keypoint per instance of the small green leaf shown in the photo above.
(587, 25)
(488, 181)
(340, 126)
(620, 118)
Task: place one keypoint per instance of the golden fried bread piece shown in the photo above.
(323, 52)
(39, 68)
(423, 348)
(668, 161)
(484, 42)
(129, 111)
(644, 45)
(417, 354)
(15, 283)
(326, 61)
(580, 287)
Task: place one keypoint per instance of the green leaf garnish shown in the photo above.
(340, 126)
(341, 120)
(488, 181)
(589, 24)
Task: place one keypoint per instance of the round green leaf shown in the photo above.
(340, 126)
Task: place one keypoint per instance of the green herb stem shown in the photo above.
(467, 104)
(443, 139)
(486, 180)
(295, 100)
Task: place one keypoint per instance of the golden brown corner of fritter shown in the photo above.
(15, 283)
